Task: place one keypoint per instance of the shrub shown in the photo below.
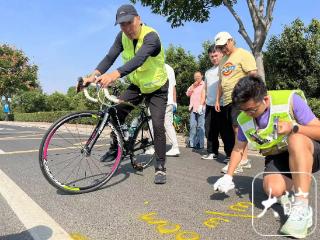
(39, 116)
(314, 104)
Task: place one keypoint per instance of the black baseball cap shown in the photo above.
(125, 13)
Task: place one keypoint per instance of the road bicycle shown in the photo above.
(71, 149)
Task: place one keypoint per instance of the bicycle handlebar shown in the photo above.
(84, 87)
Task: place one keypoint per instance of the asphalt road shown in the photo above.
(131, 206)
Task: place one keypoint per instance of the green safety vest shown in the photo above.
(151, 75)
(281, 109)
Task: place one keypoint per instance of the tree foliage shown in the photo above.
(180, 11)
(78, 101)
(203, 58)
(58, 102)
(292, 60)
(16, 73)
(30, 101)
(184, 65)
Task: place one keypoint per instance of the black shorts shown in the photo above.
(280, 162)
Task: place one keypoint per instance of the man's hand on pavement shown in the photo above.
(224, 184)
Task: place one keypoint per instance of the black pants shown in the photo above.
(218, 123)
(157, 102)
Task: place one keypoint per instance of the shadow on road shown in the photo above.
(125, 170)
(40, 232)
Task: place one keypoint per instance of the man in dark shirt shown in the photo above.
(143, 58)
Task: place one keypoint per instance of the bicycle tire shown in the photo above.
(142, 141)
(62, 147)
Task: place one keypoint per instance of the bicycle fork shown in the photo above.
(95, 135)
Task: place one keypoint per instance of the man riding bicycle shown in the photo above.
(143, 57)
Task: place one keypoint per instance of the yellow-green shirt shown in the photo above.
(232, 68)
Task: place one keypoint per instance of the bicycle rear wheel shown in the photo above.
(141, 142)
(64, 157)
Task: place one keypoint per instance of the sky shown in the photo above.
(68, 38)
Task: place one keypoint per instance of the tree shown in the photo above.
(16, 73)
(30, 101)
(180, 11)
(203, 58)
(184, 65)
(79, 102)
(292, 60)
(58, 102)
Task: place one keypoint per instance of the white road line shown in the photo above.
(11, 133)
(2, 152)
(8, 129)
(77, 145)
(22, 136)
(30, 213)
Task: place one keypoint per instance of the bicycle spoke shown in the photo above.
(67, 158)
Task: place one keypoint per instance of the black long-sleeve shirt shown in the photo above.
(151, 46)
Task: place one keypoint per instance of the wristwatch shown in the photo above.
(295, 128)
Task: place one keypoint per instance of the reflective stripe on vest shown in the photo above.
(151, 75)
(280, 104)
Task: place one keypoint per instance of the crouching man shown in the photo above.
(283, 127)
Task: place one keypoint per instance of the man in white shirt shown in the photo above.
(214, 121)
(171, 108)
(168, 121)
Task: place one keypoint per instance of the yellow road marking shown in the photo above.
(230, 214)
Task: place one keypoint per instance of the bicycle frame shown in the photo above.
(107, 113)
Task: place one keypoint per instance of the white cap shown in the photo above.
(222, 38)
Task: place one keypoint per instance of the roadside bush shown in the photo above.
(39, 116)
(30, 101)
(184, 114)
(314, 103)
(3, 117)
(58, 102)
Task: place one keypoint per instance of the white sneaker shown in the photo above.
(286, 203)
(173, 152)
(299, 221)
(149, 151)
(210, 156)
(238, 169)
(245, 163)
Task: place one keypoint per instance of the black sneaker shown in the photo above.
(160, 176)
(109, 156)
(227, 159)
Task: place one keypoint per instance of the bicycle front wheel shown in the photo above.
(65, 159)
